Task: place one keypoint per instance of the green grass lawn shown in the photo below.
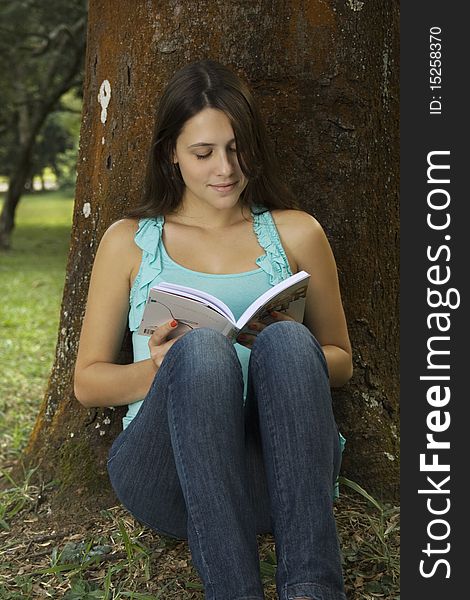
(31, 282)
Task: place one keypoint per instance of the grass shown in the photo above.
(112, 557)
(31, 279)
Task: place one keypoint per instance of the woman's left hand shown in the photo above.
(246, 339)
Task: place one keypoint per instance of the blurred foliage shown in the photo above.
(39, 45)
(57, 143)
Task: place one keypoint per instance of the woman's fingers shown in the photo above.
(163, 348)
(279, 316)
(161, 333)
(247, 339)
(159, 344)
(158, 341)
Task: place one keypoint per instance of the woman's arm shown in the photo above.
(324, 314)
(98, 380)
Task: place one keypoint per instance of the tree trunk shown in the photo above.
(16, 187)
(31, 116)
(326, 76)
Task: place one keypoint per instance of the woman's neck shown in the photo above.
(208, 217)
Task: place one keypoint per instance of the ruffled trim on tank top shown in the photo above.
(147, 238)
(274, 262)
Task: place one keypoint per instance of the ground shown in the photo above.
(109, 555)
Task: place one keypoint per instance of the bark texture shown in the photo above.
(325, 73)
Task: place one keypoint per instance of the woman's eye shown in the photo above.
(202, 156)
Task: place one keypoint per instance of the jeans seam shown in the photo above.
(283, 512)
(319, 591)
(189, 505)
(129, 427)
(115, 454)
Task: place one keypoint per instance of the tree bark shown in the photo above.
(326, 76)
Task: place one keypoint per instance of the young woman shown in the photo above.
(222, 441)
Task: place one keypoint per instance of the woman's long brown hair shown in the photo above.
(208, 84)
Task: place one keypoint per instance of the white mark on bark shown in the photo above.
(389, 456)
(385, 92)
(355, 5)
(102, 140)
(167, 47)
(87, 209)
(106, 420)
(103, 98)
(72, 434)
(102, 432)
(369, 398)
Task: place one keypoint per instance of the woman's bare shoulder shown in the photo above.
(297, 227)
(118, 246)
(123, 229)
(120, 236)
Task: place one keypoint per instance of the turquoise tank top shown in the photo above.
(237, 290)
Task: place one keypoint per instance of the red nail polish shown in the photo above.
(174, 323)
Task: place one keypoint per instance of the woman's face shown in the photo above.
(206, 153)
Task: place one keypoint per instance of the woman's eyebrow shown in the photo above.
(208, 143)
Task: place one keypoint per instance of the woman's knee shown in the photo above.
(285, 340)
(204, 349)
(206, 361)
(285, 330)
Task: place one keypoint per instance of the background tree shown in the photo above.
(56, 145)
(41, 54)
(326, 76)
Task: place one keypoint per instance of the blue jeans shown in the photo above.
(198, 463)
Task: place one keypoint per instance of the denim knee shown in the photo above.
(289, 339)
(284, 330)
(205, 356)
(205, 346)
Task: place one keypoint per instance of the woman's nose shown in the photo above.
(225, 163)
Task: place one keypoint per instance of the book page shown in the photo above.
(288, 297)
(188, 292)
(162, 307)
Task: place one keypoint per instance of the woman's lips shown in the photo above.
(224, 188)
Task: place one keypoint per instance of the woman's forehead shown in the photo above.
(208, 127)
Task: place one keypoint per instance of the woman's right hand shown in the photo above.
(159, 343)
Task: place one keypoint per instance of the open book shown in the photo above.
(193, 308)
